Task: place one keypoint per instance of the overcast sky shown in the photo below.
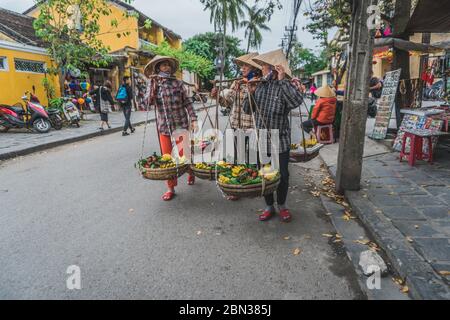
(187, 18)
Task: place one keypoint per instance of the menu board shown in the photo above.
(386, 104)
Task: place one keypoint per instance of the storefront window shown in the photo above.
(319, 81)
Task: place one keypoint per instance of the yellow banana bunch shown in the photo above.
(309, 143)
(202, 166)
(268, 173)
(236, 171)
(166, 158)
(224, 180)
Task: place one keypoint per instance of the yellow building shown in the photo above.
(23, 60)
(128, 52)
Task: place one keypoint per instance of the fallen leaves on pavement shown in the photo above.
(297, 252)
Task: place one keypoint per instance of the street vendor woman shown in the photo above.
(273, 99)
(173, 108)
(250, 70)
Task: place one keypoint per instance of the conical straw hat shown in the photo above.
(150, 68)
(247, 59)
(325, 92)
(274, 58)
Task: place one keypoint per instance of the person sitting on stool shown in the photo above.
(324, 110)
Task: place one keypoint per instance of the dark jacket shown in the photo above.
(129, 100)
(106, 95)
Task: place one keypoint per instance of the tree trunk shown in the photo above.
(249, 40)
(354, 118)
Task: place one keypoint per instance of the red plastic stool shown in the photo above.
(416, 148)
(325, 134)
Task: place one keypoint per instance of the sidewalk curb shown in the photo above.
(51, 145)
(55, 144)
(420, 277)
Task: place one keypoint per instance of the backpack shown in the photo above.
(122, 94)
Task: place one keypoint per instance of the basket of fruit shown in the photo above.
(305, 151)
(246, 181)
(162, 167)
(208, 171)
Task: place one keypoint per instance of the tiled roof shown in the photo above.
(18, 27)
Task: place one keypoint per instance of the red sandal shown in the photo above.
(191, 180)
(169, 195)
(266, 215)
(285, 215)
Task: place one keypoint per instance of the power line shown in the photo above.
(293, 28)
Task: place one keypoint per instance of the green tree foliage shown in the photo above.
(306, 60)
(188, 60)
(255, 23)
(224, 12)
(205, 45)
(70, 29)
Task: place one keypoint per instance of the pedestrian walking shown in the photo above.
(125, 98)
(174, 109)
(312, 90)
(274, 98)
(103, 102)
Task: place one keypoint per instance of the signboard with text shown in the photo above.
(386, 104)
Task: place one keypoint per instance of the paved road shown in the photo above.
(71, 206)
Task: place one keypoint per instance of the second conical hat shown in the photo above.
(274, 58)
(325, 92)
(247, 59)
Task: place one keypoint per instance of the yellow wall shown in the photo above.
(108, 34)
(14, 83)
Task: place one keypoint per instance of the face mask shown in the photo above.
(251, 75)
(164, 74)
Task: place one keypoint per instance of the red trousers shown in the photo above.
(166, 148)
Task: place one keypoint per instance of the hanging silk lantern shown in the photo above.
(81, 101)
(74, 101)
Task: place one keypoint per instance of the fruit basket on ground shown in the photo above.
(246, 181)
(162, 167)
(305, 151)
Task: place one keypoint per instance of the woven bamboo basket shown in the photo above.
(164, 174)
(250, 191)
(299, 155)
(204, 174)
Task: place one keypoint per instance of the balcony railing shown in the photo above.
(146, 44)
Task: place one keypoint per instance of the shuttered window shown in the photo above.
(29, 66)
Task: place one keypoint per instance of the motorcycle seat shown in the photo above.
(16, 109)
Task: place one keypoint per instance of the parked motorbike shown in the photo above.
(54, 115)
(32, 115)
(71, 112)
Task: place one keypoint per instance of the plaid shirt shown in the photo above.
(274, 101)
(240, 119)
(172, 100)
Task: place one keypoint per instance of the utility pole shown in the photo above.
(351, 146)
(293, 29)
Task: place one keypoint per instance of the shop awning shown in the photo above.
(405, 45)
(430, 16)
(444, 45)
